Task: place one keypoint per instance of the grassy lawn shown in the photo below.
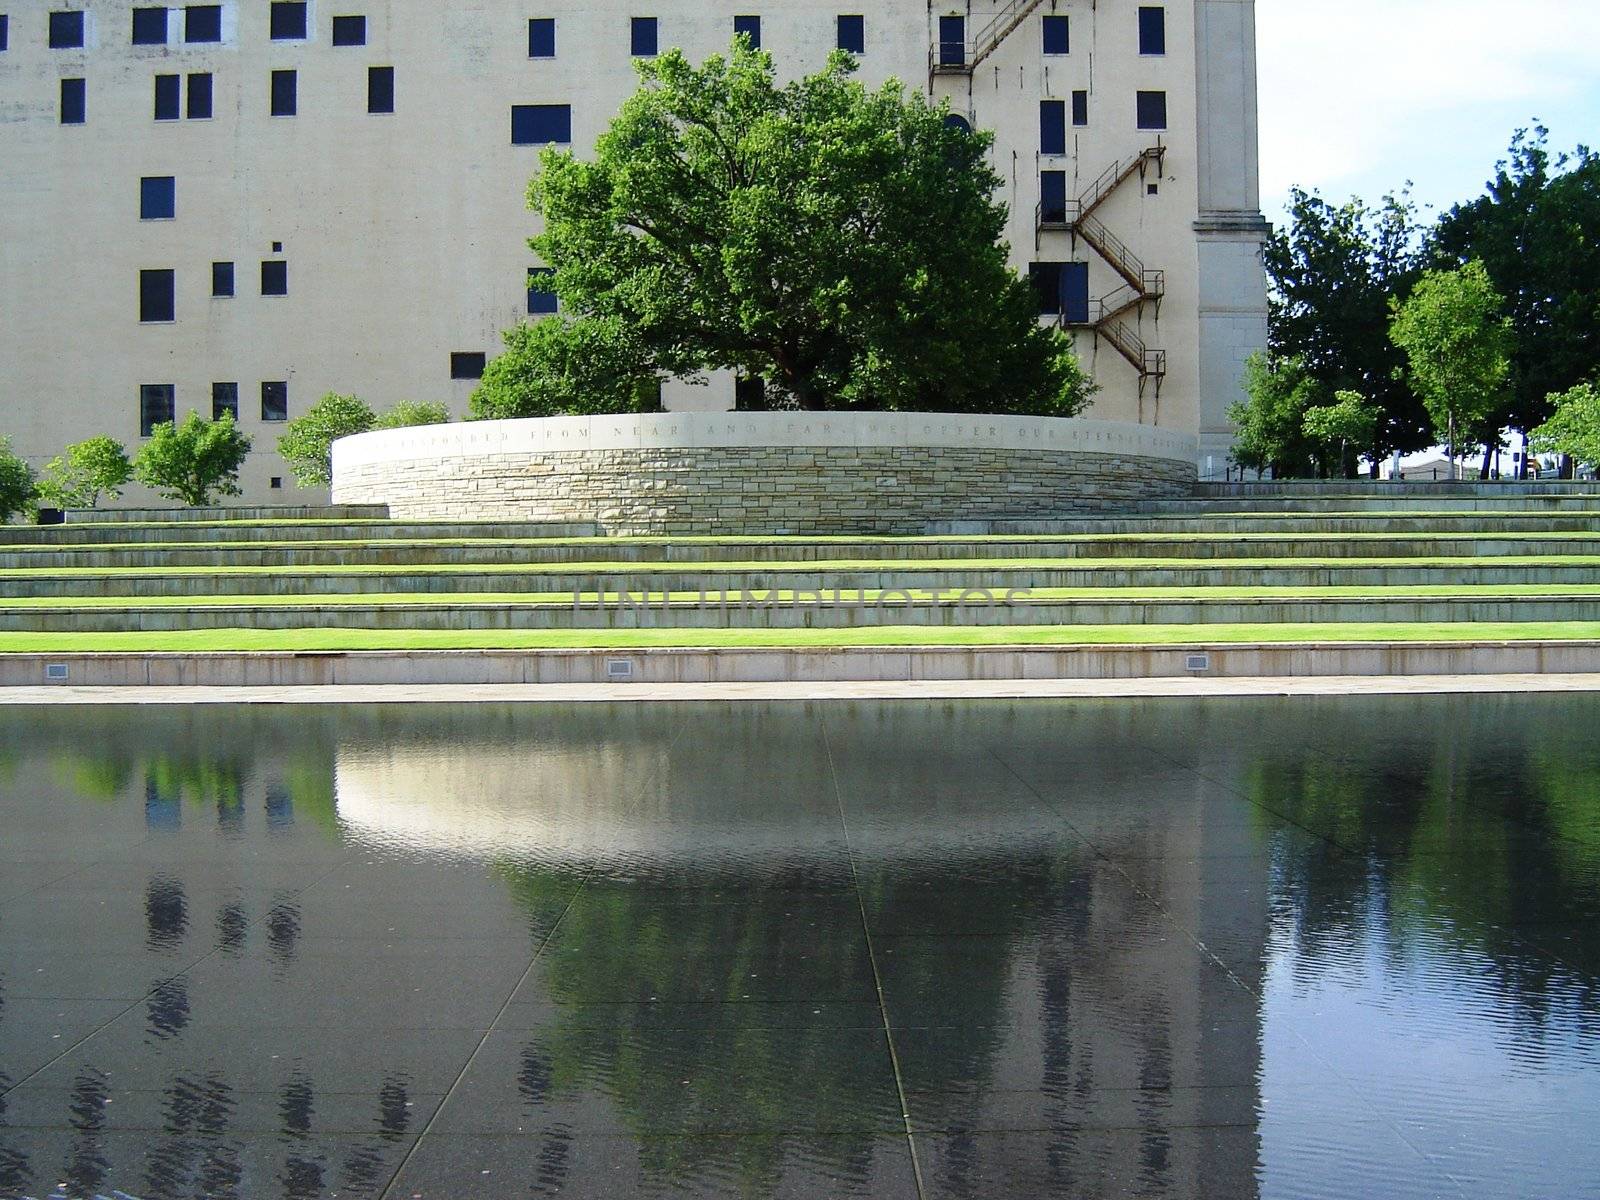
(788, 596)
(303, 640)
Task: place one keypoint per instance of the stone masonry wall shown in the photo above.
(763, 489)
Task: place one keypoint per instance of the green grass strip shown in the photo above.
(1484, 592)
(311, 640)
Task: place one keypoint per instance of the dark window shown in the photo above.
(158, 198)
(380, 89)
(73, 104)
(222, 279)
(952, 41)
(275, 278)
(224, 401)
(157, 402)
(168, 93)
(1053, 197)
(349, 31)
(1080, 108)
(277, 247)
(275, 401)
(202, 23)
(1046, 280)
(750, 26)
(537, 124)
(199, 107)
(750, 394)
(467, 365)
(541, 37)
(540, 298)
(275, 483)
(5, 32)
(150, 27)
(853, 34)
(1052, 127)
(1152, 110)
(956, 121)
(156, 292)
(66, 30)
(285, 93)
(1063, 289)
(288, 20)
(1056, 39)
(645, 37)
(1152, 29)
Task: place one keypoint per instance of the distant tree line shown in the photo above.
(1389, 335)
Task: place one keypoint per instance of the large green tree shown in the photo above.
(194, 461)
(1271, 421)
(17, 489)
(1537, 231)
(558, 366)
(841, 244)
(307, 442)
(1574, 428)
(89, 469)
(1333, 271)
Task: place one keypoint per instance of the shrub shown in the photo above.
(307, 446)
(413, 412)
(86, 471)
(17, 492)
(195, 461)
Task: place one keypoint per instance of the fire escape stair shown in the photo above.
(984, 43)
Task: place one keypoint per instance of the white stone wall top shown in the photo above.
(735, 430)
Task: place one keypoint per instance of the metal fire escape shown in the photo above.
(1140, 285)
(963, 57)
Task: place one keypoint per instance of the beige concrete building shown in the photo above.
(248, 204)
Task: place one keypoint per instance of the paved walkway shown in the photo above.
(998, 689)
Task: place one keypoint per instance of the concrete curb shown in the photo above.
(800, 665)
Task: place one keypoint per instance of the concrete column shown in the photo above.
(1230, 231)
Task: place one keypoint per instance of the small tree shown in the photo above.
(412, 412)
(1459, 347)
(1336, 428)
(88, 470)
(1574, 429)
(194, 461)
(17, 491)
(557, 367)
(1271, 422)
(307, 444)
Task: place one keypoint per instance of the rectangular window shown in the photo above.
(158, 198)
(349, 31)
(1080, 108)
(852, 34)
(540, 298)
(150, 27)
(1053, 197)
(5, 32)
(952, 41)
(224, 401)
(1152, 29)
(380, 89)
(199, 105)
(644, 37)
(749, 393)
(1075, 293)
(168, 92)
(1056, 40)
(1152, 110)
(541, 37)
(202, 23)
(222, 279)
(275, 277)
(73, 101)
(157, 291)
(539, 124)
(288, 20)
(66, 30)
(1046, 280)
(157, 405)
(467, 365)
(275, 401)
(285, 93)
(1052, 127)
(750, 26)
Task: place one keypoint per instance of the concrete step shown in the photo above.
(229, 533)
(1306, 524)
(396, 553)
(1579, 503)
(957, 574)
(263, 512)
(1271, 489)
(763, 613)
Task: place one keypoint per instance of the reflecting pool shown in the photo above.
(1224, 948)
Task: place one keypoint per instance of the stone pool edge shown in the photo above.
(802, 665)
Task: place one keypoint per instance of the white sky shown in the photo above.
(1359, 96)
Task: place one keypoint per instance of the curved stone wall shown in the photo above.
(696, 472)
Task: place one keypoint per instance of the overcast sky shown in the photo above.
(1358, 96)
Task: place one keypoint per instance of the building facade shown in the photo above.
(242, 205)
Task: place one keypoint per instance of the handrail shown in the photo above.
(984, 43)
(1115, 175)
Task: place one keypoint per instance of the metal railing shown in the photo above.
(961, 58)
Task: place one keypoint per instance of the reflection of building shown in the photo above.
(291, 197)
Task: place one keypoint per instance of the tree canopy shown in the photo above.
(194, 461)
(1574, 427)
(841, 244)
(307, 442)
(17, 492)
(87, 470)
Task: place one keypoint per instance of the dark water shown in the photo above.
(1255, 948)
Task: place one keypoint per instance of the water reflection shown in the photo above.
(1254, 948)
